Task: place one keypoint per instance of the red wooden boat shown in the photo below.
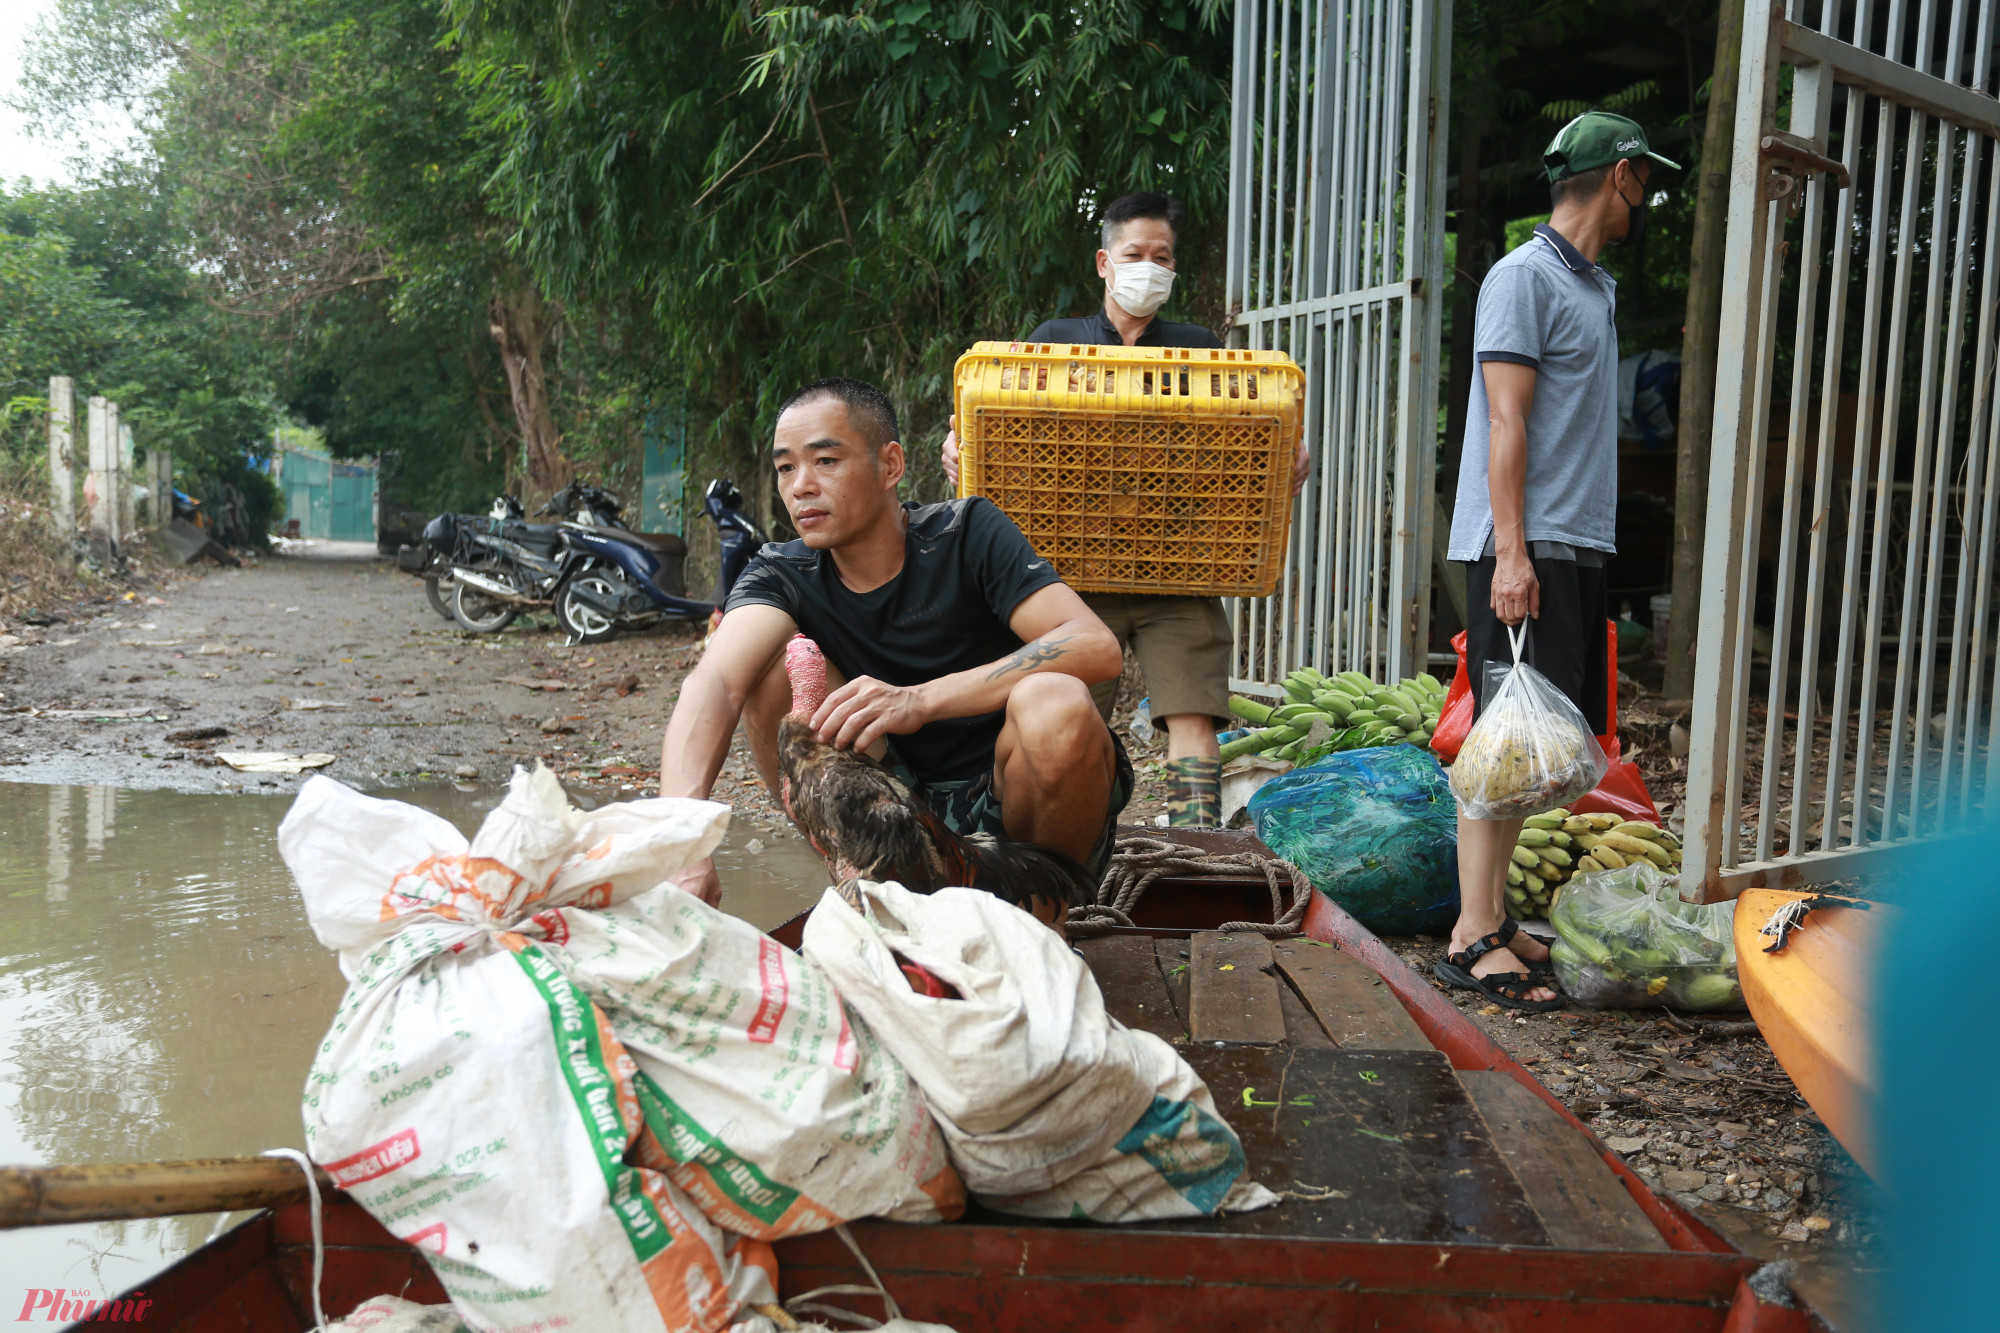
(1430, 1181)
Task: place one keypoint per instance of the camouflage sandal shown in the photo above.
(1194, 792)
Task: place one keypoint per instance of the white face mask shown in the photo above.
(1141, 287)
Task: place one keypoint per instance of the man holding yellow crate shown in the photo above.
(1182, 643)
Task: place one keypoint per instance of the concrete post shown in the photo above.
(62, 456)
(128, 477)
(160, 478)
(114, 472)
(100, 483)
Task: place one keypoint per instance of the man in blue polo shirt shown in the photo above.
(1536, 515)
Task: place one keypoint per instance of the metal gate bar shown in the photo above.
(1884, 92)
(1336, 216)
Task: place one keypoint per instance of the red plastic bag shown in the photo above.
(1623, 791)
(1455, 718)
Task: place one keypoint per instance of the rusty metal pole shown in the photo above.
(1698, 342)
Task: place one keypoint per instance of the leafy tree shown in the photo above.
(318, 150)
(56, 314)
(764, 196)
(421, 388)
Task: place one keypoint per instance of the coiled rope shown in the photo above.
(1136, 863)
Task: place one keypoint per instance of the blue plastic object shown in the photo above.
(1375, 830)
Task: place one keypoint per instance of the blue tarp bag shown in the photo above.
(1375, 830)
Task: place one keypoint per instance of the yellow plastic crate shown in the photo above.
(1137, 469)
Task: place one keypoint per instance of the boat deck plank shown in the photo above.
(1357, 1009)
(1583, 1205)
(1173, 956)
(1374, 1136)
(1135, 992)
(1233, 989)
(1363, 1145)
(1302, 1029)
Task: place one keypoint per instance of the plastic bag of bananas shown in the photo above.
(1530, 751)
(1625, 940)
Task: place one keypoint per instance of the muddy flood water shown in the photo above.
(161, 994)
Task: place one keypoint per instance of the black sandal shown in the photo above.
(1541, 969)
(1507, 989)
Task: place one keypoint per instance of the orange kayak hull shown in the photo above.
(1811, 1001)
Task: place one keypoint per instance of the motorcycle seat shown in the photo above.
(666, 543)
(542, 537)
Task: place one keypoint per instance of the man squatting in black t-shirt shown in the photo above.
(954, 653)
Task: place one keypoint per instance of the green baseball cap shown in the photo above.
(1596, 139)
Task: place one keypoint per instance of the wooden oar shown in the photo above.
(36, 1196)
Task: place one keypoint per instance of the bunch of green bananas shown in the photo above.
(1556, 845)
(1351, 711)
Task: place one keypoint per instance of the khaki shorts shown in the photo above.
(1182, 644)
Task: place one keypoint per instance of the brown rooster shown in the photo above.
(867, 825)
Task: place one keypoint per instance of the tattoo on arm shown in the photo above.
(1031, 655)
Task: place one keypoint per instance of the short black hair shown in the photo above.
(867, 406)
(1580, 186)
(1141, 204)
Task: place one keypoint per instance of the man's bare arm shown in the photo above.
(746, 646)
(1059, 634)
(1510, 393)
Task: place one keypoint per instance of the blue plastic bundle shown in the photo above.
(1375, 830)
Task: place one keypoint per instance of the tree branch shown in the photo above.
(795, 259)
(832, 177)
(716, 184)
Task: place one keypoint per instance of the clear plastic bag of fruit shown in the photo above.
(1530, 750)
(1626, 940)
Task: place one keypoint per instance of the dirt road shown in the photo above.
(341, 656)
(328, 655)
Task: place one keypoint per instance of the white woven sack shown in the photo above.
(776, 1110)
(1050, 1107)
(470, 1094)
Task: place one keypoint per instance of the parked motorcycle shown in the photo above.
(446, 541)
(430, 558)
(741, 538)
(516, 564)
(627, 580)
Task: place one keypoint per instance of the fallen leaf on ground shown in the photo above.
(1673, 1068)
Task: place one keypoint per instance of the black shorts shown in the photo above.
(1566, 642)
(970, 807)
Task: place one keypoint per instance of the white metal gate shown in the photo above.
(1336, 255)
(1851, 513)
